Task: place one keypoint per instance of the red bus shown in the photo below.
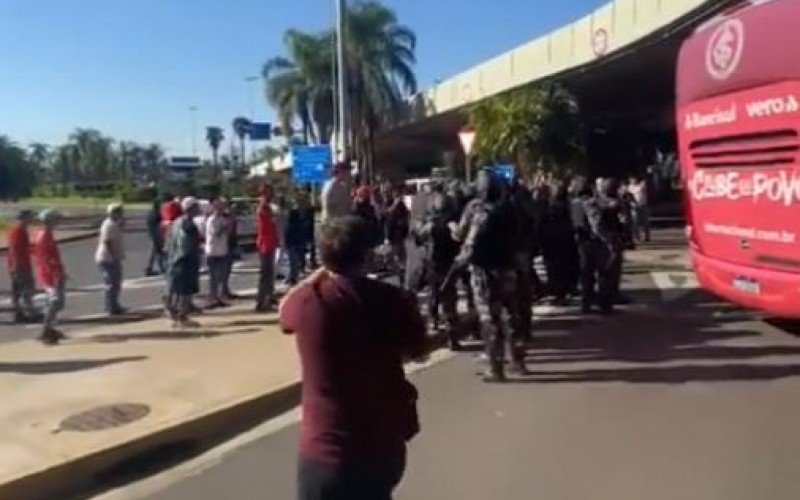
(738, 119)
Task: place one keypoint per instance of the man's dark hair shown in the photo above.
(344, 243)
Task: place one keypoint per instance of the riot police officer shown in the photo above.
(525, 245)
(487, 229)
(612, 225)
(440, 253)
(599, 236)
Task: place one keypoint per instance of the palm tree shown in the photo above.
(153, 157)
(214, 137)
(381, 55)
(301, 87)
(92, 154)
(38, 155)
(381, 58)
(241, 127)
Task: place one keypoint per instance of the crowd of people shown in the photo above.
(353, 332)
(578, 231)
(481, 241)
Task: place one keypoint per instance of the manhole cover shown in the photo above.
(105, 417)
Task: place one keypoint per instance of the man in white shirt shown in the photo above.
(216, 249)
(337, 198)
(109, 256)
(641, 212)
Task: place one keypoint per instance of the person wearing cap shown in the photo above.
(183, 269)
(109, 256)
(51, 274)
(336, 198)
(20, 269)
(216, 249)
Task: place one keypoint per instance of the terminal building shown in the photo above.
(619, 61)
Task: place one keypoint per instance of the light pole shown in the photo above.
(344, 129)
(193, 111)
(251, 80)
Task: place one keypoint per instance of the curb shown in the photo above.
(92, 471)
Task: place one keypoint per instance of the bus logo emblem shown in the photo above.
(725, 48)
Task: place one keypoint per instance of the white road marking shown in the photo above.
(675, 284)
(149, 486)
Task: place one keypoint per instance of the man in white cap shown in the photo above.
(109, 256)
(183, 269)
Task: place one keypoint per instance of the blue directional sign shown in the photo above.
(260, 131)
(507, 172)
(311, 164)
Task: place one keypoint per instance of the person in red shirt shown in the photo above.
(353, 334)
(51, 275)
(170, 210)
(20, 269)
(266, 245)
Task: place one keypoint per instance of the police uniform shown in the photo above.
(526, 243)
(440, 253)
(494, 280)
(599, 246)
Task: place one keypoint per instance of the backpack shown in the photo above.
(493, 246)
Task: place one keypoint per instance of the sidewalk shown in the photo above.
(57, 424)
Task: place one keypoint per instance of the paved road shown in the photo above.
(84, 298)
(680, 396)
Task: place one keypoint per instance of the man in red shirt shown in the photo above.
(170, 211)
(266, 245)
(51, 275)
(353, 334)
(20, 269)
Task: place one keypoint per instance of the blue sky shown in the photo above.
(132, 68)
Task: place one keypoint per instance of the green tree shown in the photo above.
(381, 55)
(154, 158)
(39, 157)
(300, 86)
(534, 127)
(17, 174)
(92, 155)
(214, 137)
(381, 58)
(241, 126)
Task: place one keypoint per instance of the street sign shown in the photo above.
(311, 164)
(260, 131)
(467, 138)
(507, 172)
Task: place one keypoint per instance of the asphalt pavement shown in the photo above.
(678, 396)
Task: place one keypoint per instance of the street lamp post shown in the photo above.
(251, 80)
(193, 111)
(344, 129)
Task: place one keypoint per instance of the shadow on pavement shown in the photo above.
(131, 317)
(167, 335)
(49, 367)
(668, 375)
(251, 322)
(696, 328)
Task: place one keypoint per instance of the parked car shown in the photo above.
(245, 211)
